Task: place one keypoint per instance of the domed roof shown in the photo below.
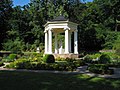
(60, 18)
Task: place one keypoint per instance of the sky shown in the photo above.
(20, 2)
(24, 2)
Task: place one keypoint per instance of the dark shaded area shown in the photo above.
(48, 81)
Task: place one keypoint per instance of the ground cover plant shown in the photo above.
(66, 65)
(102, 58)
(1, 64)
(37, 61)
(48, 81)
(100, 69)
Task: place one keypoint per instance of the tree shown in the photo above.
(5, 14)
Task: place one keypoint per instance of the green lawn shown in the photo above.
(49, 81)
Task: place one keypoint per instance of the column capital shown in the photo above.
(45, 31)
(50, 29)
(76, 30)
(66, 28)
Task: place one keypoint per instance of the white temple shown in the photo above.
(56, 26)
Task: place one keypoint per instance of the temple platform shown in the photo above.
(70, 55)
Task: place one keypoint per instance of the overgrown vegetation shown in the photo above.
(100, 69)
(1, 64)
(22, 27)
(104, 59)
(66, 65)
(37, 61)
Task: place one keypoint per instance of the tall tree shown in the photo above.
(5, 14)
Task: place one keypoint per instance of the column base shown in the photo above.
(70, 55)
(66, 52)
(75, 52)
(50, 53)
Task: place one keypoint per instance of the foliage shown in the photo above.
(72, 61)
(110, 40)
(15, 46)
(118, 51)
(104, 59)
(20, 64)
(0, 58)
(6, 59)
(59, 59)
(100, 69)
(87, 59)
(9, 58)
(33, 56)
(79, 63)
(49, 58)
(22, 27)
(27, 64)
(114, 64)
(1, 63)
(69, 59)
(12, 56)
(95, 56)
(5, 15)
(91, 59)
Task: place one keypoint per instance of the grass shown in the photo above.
(48, 81)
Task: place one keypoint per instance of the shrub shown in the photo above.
(9, 58)
(17, 51)
(60, 59)
(87, 59)
(79, 63)
(104, 59)
(1, 64)
(115, 64)
(49, 58)
(38, 58)
(20, 64)
(0, 58)
(64, 66)
(118, 51)
(25, 64)
(100, 69)
(70, 59)
(94, 56)
(12, 56)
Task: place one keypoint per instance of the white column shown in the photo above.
(50, 41)
(75, 42)
(66, 41)
(46, 42)
(70, 42)
(56, 44)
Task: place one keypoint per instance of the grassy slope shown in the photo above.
(49, 81)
